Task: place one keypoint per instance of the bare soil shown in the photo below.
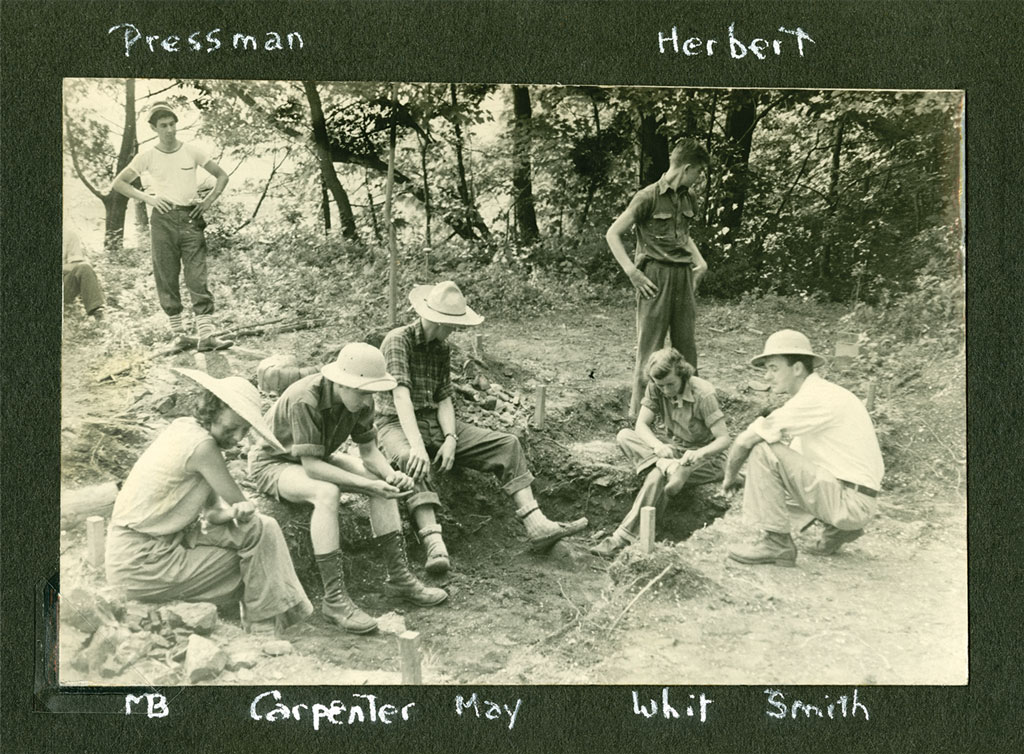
(890, 608)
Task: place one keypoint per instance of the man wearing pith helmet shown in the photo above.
(311, 420)
(416, 423)
(815, 457)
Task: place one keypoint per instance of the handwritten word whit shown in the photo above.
(668, 710)
(211, 41)
(758, 46)
(334, 713)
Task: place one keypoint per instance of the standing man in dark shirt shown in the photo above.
(667, 265)
(311, 420)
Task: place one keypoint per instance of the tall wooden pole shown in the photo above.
(393, 263)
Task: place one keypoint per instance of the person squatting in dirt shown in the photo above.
(695, 451)
(667, 265)
(311, 420)
(814, 457)
(177, 224)
(79, 278)
(416, 422)
(181, 528)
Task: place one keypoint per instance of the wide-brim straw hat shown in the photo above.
(361, 366)
(787, 343)
(240, 395)
(444, 304)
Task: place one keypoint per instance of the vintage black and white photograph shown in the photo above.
(461, 383)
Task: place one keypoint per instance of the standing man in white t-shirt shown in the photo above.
(814, 457)
(176, 223)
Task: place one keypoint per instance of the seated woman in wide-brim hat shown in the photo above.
(181, 528)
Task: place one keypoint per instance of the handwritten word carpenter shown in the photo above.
(334, 712)
(210, 41)
(758, 46)
(669, 711)
(491, 710)
(844, 706)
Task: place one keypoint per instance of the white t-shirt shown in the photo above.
(73, 251)
(172, 175)
(830, 427)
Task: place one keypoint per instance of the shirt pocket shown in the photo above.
(662, 226)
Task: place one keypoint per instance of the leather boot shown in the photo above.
(771, 548)
(437, 553)
(401, 582)
(542, 531)
(337, 607)
(832, 539)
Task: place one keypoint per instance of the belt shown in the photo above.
(185, 207)
(859, 488)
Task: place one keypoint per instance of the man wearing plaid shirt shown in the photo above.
(417, 420)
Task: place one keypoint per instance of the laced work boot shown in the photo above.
(437, 553)
(401, 582)
(542, 531)
(337, 606)
(771, 548)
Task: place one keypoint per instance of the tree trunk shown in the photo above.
(325, 206)
(426, 187)
(473, 218)
(522, 178)
(739, 132)
(653, 149)
(373, 211)
(321, 143)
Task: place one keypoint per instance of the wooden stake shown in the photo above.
(646, 529)
(94, 536)
(538, 416)
(869, 402)
(409, 646)
(478, 346)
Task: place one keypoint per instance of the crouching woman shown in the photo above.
(181, 528)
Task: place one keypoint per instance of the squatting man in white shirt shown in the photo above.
(814, 457)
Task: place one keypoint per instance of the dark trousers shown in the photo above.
(178, 242)
(479, 449)
(81, 280)
(671, 312)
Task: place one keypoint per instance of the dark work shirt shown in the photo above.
(662, 218)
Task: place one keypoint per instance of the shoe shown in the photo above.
(98, 314)
(832, 539)
(543, 533)
(213, 343)
(771, 548)
(337, 607)
(401, 582)
(607, 547)
(437, 554)
(183, 341)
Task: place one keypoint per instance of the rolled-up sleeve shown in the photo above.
(363, 430)
(396, 355)
(708, 409)
(307, 435)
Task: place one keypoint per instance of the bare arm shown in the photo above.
(123, 185)
(738, 453)
(222, 181)
(699, 265)
(613, 236)
(643, 428)
(722, 439)
(347, 480)
(445, 457)
(418, 462)
(375, 463)
(230, 501)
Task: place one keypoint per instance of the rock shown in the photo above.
(489, 402)
(72, 647)
(150, 672)
(496, 389)
(277, 648)
(131, 650)
(244, 675)
(603, 481)
(102, 648)
(500, 405)
(85, 610)
(481, 383)
(136, 616)
(242, 658)
(199, 617)
(160, 641)
(204, 660)
(391, 623)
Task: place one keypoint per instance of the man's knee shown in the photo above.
(326, 497)
(625, 437)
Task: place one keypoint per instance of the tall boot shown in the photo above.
(773, 547)
(337, 606)
(401, 582)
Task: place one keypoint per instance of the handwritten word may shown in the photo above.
(211, 41)
(758, 46)
(490, 710)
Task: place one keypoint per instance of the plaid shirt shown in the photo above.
(424, 368)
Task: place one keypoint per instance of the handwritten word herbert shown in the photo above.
(737, 49)
(334, 712)
(836, 708)
(491, 710)
(156, 704)
(667, 710)
(197, 41)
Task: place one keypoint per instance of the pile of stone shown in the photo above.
(107, 638)
(489, 404)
